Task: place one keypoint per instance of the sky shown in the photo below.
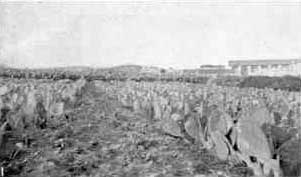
(178, 34)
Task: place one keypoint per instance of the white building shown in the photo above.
(266, 67)
(210, 67)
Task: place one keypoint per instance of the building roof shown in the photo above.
(212, 66)
(263, 62)
(208, 71)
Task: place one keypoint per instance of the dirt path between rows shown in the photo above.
(101, 139)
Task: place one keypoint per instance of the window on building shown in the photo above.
(264, 66)
(275, 66)
(285, 66)
(254, 68)
(235, 67)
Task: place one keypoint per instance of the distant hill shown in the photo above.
(3, 66)
(125, 68)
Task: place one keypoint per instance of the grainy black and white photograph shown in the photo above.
(165, 88)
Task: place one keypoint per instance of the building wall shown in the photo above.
(273, 70)
(298, 69)
(268, 70)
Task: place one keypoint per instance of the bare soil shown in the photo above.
(99, 138)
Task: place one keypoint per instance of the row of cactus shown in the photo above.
(31, 104)
(226, 120)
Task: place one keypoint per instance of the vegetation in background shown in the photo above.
(138, 73)
(289, 83)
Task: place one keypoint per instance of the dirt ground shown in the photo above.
(101, 139)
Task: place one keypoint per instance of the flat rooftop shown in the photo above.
(263, 62)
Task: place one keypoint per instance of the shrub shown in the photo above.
(289, 83)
